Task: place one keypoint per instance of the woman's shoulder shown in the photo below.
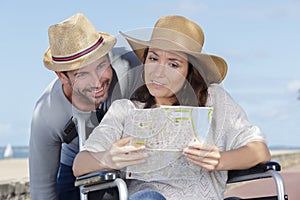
(217, 94)
(121, 102)
(216, 91)
(126, 103)
(215, 87)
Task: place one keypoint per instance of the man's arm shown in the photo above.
(44, 157)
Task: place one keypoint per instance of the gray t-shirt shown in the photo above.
(53, 110)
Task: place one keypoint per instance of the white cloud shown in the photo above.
(293, 86)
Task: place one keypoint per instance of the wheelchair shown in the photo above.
(104, 180)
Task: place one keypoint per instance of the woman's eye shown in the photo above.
(173, 65)
(152, 58)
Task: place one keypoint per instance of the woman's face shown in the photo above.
(165, 74)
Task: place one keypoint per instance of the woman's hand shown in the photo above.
(202, 155)
(120, 155)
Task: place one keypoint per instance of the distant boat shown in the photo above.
(8, 153)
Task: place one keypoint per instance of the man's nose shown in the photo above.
(95, 79)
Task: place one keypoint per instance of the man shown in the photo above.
(81, 57)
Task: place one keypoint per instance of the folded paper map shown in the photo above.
(166, 131)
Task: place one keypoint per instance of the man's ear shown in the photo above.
(62, 77)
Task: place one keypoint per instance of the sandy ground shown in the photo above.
(14, 169)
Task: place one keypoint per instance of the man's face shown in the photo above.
(91, 83)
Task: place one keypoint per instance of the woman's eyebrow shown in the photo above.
(176, 59)
(153, 52)
(171, 59)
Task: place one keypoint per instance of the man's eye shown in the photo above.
(102, 66)
(80, 75)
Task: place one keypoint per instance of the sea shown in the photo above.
(18, 152)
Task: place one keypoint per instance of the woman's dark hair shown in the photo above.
(193, 93)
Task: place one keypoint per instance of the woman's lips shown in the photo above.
(157, 84)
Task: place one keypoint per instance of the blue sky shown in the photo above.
(260, 41)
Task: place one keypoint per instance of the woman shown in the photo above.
(177, 73)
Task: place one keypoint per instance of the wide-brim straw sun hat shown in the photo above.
(177, 33)
(75, 43)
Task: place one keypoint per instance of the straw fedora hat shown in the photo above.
(177, 33)
(75, 43)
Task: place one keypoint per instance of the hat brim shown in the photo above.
(212, 68)
(107, 45)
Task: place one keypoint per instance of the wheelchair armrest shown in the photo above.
(97, 177)
(268, 170)
(252, 173)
